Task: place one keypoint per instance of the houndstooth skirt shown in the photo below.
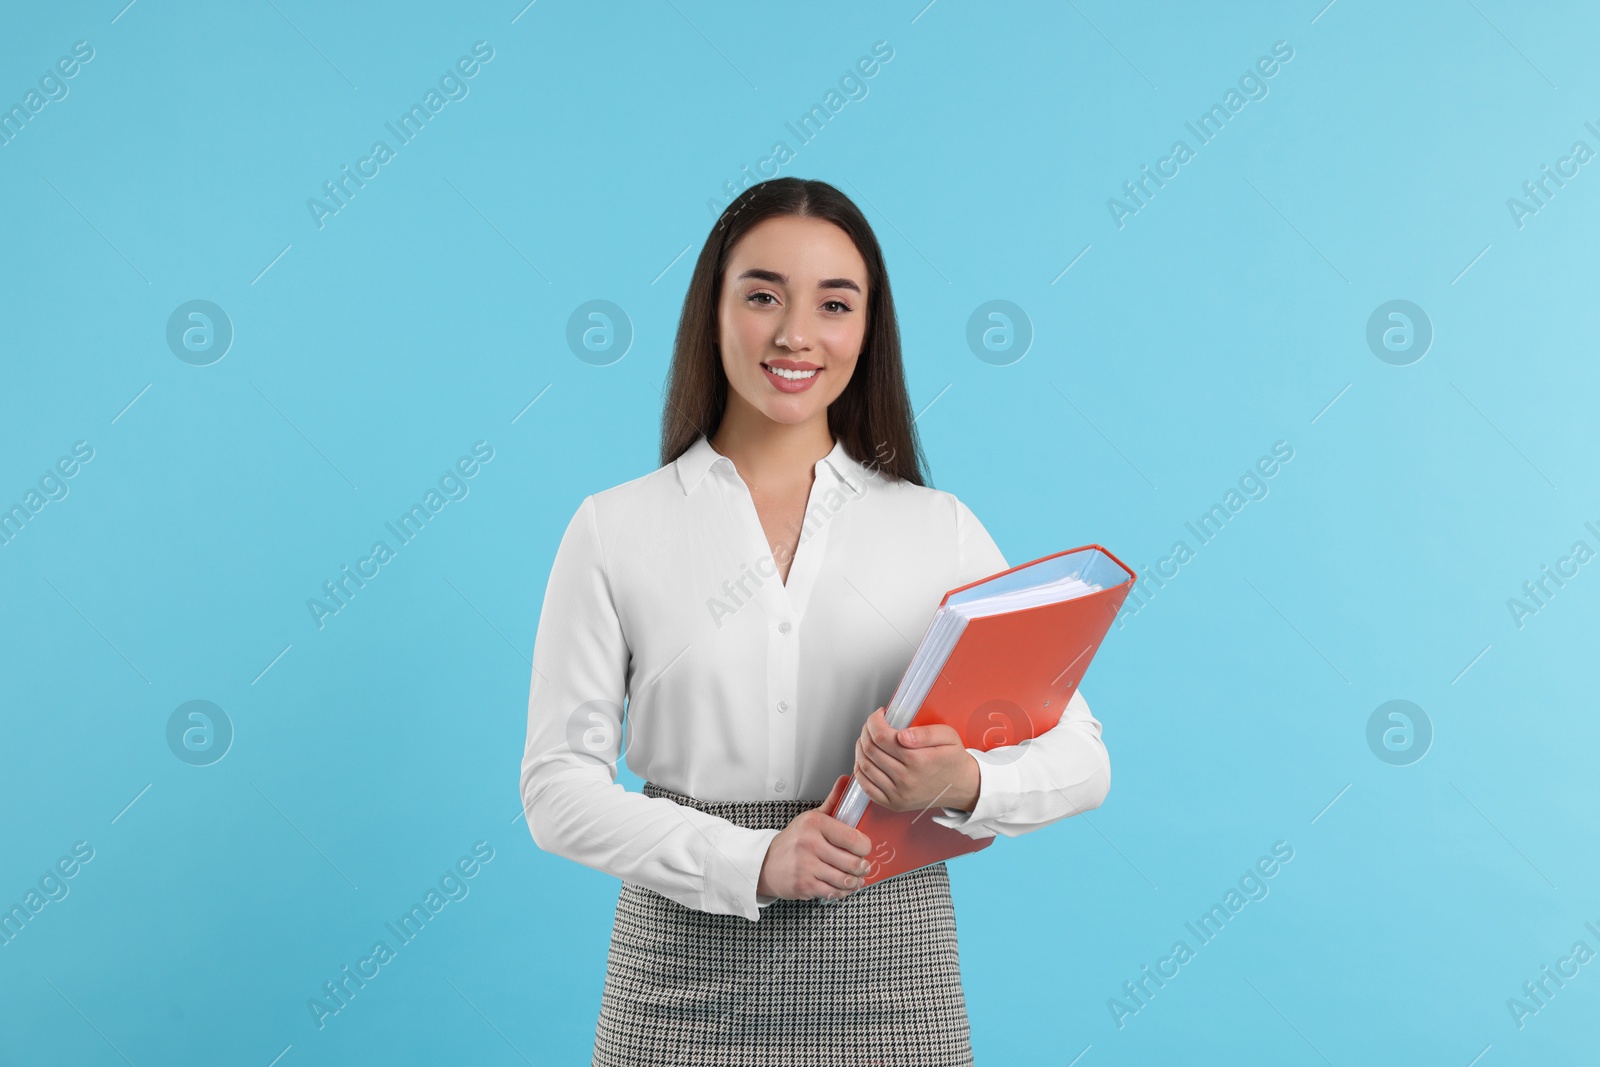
(873, 978)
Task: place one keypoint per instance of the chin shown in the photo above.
(791, 414)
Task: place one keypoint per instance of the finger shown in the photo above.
(825, 890)
(885, 781)
(878, 727)
(843, 860)
(873, 793)
(876, 795)
(929, 736)
(848, 838)
(871, 772)
(879, 756)
(834, 793)
(836, 879)
(889, 744)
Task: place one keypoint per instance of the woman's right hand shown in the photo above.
(815, 856)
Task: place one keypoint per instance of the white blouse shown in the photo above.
(664, 595)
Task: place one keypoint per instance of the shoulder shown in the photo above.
(942, 521)
(931, 515)
(633, 504)
(937, 507)
(660, 484)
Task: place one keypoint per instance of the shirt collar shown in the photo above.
(701, 457)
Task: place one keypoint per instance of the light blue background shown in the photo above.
(586, 163)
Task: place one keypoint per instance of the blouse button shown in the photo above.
(783, 705)
(783, 627)
(780, 785)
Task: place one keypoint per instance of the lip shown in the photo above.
(784, 385)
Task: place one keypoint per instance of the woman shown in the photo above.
(752, 601)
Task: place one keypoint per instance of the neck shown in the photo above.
(768, 452)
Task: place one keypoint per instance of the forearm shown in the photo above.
(700, 860)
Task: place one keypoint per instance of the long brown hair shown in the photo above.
(872, 417)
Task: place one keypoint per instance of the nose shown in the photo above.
(791, 333)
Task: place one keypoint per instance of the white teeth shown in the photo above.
(792, 375)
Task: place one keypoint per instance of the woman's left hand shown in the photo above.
(916, 768)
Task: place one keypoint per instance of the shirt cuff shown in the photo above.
(733, 870)
(997, 783)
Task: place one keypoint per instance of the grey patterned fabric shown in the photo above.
(872, 979)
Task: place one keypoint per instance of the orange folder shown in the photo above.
(1007, 679)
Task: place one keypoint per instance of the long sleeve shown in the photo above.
(574, 806)
(1062, 772)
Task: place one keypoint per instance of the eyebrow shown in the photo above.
(761, 274)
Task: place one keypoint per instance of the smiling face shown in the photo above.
(792, 318)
